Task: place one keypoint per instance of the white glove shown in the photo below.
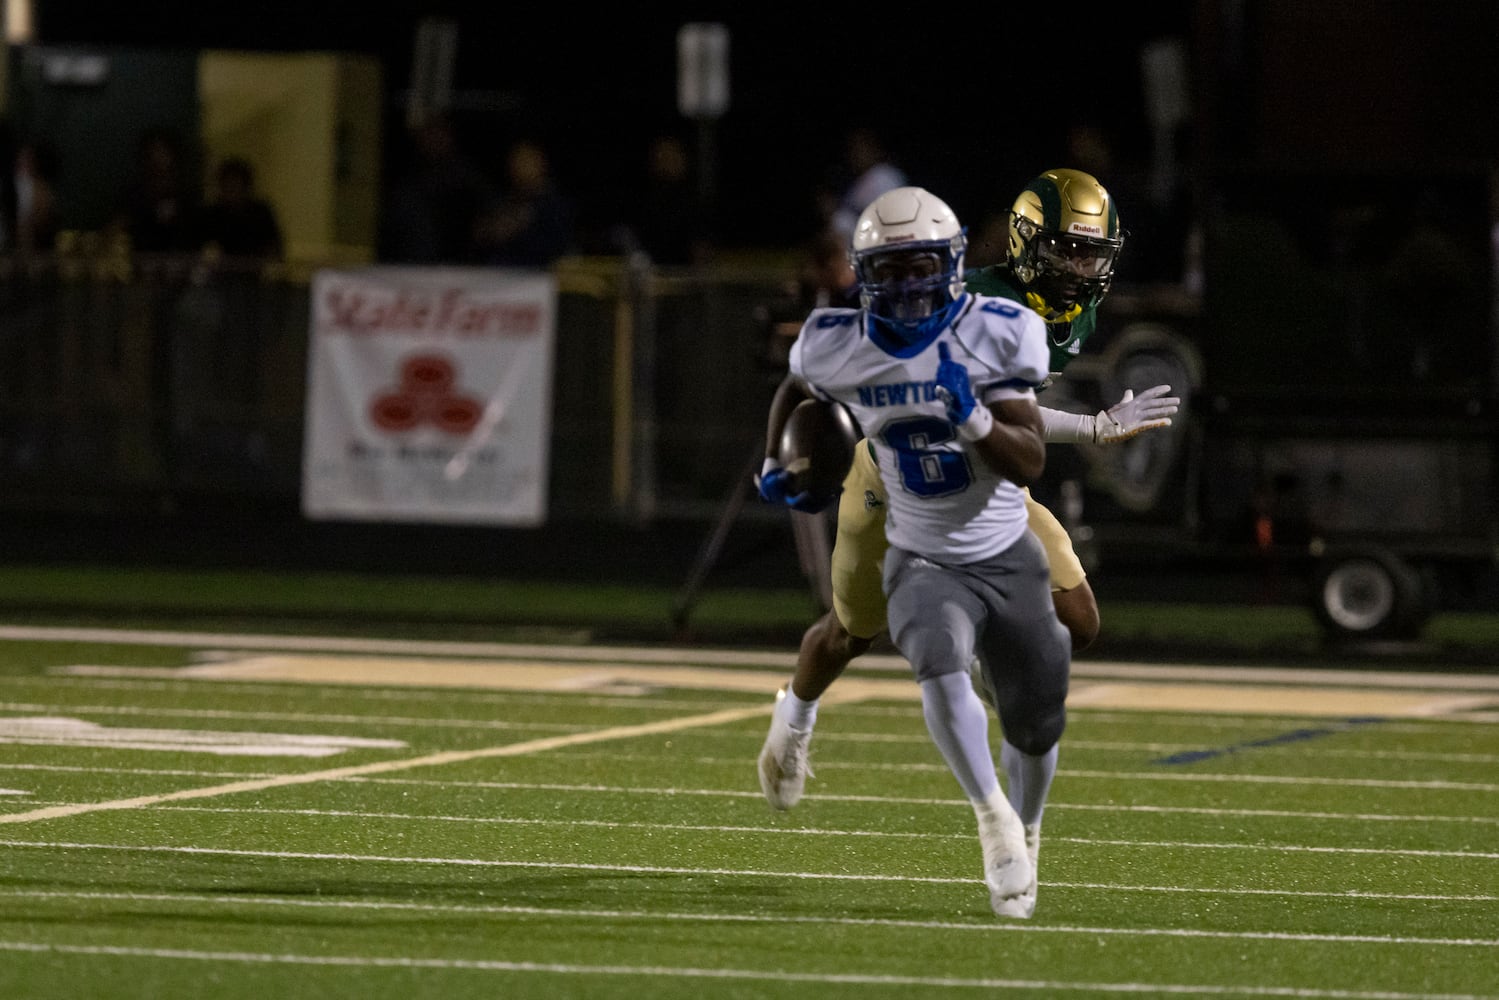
(1133, 414)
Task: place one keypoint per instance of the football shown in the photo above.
(817, 448)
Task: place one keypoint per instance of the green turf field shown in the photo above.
(261, 816)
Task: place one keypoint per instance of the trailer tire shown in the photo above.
(1370, 593)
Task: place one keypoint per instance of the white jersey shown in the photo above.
(943, 499)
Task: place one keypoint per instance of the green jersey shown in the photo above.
(1065, 339)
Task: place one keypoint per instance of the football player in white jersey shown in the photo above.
(942, 383)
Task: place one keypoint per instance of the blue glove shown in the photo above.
(774, 485)
(954, 388)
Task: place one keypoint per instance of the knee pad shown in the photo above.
(1035, 732)
(1033, 698)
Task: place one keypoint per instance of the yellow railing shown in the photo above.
(125, 372)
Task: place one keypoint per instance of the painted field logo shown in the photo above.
(57, 731)
(426, 397)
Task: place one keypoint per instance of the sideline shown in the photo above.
(636, 671)
(873, 662)
(1224, 693)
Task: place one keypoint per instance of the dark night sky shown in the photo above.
(957, 105)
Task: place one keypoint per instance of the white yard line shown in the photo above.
(1062, 774)
(1292, 814)
(235, 900)
(1284, 779)
(780, 831)
(1274, 813)
(717, 872)
(1071, 746)
(740, 975)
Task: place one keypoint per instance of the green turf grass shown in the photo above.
(1207, 854)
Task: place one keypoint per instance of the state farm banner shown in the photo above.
(429, 395)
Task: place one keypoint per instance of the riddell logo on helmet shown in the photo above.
(1084, 228)
(900, 238)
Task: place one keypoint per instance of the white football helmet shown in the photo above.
(907, 254)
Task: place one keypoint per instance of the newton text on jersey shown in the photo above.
(897, 393)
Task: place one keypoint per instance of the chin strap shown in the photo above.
(905, 340)
(1049, 314)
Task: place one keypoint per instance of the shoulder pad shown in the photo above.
(1006, 339)
(825, 319)
(826, 337)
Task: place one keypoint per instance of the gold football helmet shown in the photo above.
(1064, 241)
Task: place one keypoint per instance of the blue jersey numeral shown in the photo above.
(1003, 308)
(925, 470)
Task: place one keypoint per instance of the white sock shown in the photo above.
(1030, 780)
(995, 805)
(959, 725)
(799, 714)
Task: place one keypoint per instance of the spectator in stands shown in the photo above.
(869, 172)
(36, 217)
(670, 222)
(160, 204)
(532, 224)
(223, 323)
(238, 224)
(825, 278)
(434, 207)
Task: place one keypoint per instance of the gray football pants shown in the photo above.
(999, 608)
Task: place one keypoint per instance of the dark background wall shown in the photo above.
(972, 104)
(969, 106)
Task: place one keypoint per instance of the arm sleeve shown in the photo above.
(1069, 428)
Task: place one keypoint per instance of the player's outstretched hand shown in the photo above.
(1132, 414)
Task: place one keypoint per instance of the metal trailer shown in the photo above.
(1334, 326)
(1339, 437)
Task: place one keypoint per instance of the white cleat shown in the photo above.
(980, 685)
(1024, 905)
(784, 764)
(1009, 871)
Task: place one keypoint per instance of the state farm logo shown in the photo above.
(426, 396)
